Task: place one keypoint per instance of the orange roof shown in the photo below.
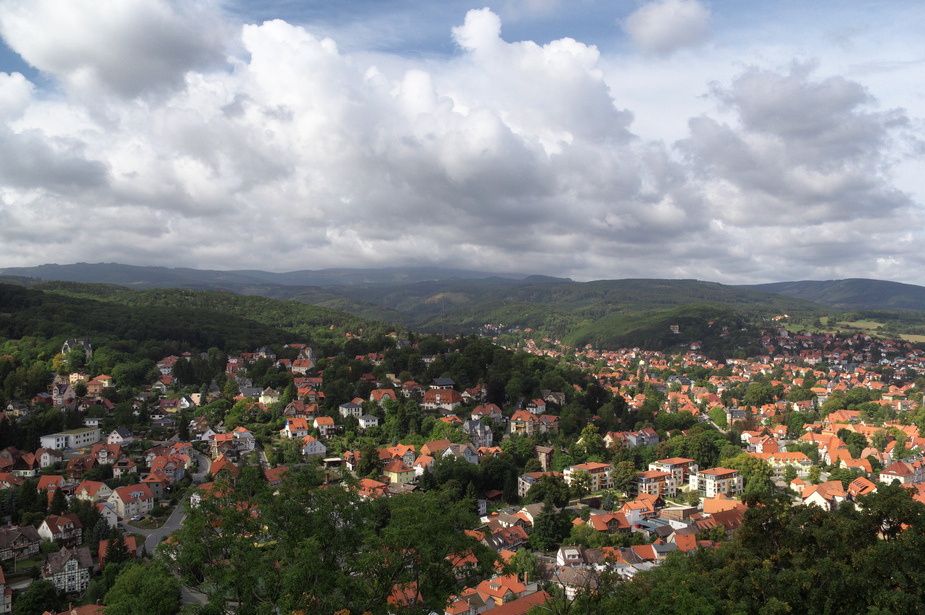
(686, 542)
(397, 466)
(297, 424)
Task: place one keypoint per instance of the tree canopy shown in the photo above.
(340, 550)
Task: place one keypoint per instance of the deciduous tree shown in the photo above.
(144, 590)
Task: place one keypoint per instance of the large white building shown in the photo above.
(599, 473)
(75, 438)
(680, 468)
(712, 482)
(657, 483)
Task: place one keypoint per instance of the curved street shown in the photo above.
(154, 537)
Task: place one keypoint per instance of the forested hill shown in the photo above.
(195, 319)
(292, 316)
(559, 307)
(605, 313)
(852, 294)
(237, 280)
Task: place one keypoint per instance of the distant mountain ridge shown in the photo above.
(435, 300)
(181, 277)
(852, 293)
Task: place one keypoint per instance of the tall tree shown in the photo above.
(340, 551)
(117, 550)
(549, 528)
(144, 590)
(41, 596)
(624, 474)
(101, 530)
(370, 464)
(58, 503)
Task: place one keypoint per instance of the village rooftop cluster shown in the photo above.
(665, 503)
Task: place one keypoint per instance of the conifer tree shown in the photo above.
(58, 503)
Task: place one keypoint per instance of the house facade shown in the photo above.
(295, 428)
(312, 447)
(716, 481)
(657, 483)
(75, 438)
(600, 474)
(679, 467)
(66, 528)
(69, 569)
(446, 399)
(132, 500)
(19, 542)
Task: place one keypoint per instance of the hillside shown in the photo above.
(558, 307)
(36, 313)
(237, 281)
(852, 294)
(290, 316)
(167, 320)
(722, 331)
(604, 312)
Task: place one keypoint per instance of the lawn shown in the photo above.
(23, 568)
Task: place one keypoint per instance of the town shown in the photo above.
(575, 469)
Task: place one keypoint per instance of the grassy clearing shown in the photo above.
(861, 324)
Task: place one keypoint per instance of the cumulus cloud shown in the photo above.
(664, 26)
(124, 46)
(803, 172)
(506, 156)
(15, 94)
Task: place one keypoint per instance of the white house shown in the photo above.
(712, 482)
(312, 447)
(132, 500)
(295, 428)
(243, 439)
(119, 435)
(350, 409)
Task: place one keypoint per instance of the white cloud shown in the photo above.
(124, 46)
(505, 156)
(664, 26)
(811, 149)
(15, 95)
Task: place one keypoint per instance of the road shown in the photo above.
(21, 585)
(264, 462)
(203, 465)
(154, 537)
(189, 596)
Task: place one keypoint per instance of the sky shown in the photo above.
(729, 141)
